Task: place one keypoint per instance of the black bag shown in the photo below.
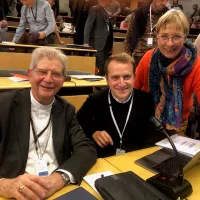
(127, 186)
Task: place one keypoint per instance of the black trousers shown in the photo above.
(102, 56)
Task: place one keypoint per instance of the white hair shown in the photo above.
(50, 53)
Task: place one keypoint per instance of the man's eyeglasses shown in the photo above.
(43, 74)
(175, 38)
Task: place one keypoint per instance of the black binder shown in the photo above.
(127, 186)
(77, 194)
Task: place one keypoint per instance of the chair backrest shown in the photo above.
(77, 100)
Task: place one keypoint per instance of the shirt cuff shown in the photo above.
(71, 177)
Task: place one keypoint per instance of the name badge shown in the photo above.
(150, 41)
(41, 167)
(120, 151)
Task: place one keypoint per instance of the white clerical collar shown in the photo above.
(38, 105)
(122, 102)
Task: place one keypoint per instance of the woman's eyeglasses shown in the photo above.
(174, 38)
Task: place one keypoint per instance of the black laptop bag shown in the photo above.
(127, 186)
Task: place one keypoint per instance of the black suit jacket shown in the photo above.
(96, 31)
(95, 115)
(71, 147)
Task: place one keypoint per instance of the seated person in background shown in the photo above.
(195, 17)
(40, 135)
(117, 118)
(56, 31)
(171, 72)
(38, 15)
(176, 5)
(197, 44)
(3, 22)
(124, 24)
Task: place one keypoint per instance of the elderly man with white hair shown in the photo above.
(42, 146)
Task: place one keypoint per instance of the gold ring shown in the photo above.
(21, 188)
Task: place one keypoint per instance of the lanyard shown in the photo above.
(114, 120)
(36, 138)
(35, 16)
(151, 23)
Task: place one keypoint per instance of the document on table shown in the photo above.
(87, 76)
(183, 144)
(6, 42)
(90, 179)
(18, 77)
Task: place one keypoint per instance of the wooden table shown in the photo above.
(7, 84)
(75, 91)
(66, 50)
(100, 166)
(126, 162)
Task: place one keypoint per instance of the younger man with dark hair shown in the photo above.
(117, 118)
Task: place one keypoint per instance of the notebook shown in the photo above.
(77, 194)
(164, 161)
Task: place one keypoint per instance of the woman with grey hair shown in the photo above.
(171, 72)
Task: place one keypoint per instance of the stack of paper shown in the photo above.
(183, 144)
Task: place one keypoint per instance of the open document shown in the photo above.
(85, 77)
(183, 144)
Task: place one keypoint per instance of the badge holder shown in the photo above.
(120, 150)
(41, 167)
(150, 40)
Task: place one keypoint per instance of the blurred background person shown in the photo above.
(176, 5)
(3, 21)
(12, 7)
(38, 15)
(124, 24)
(80, 13)
(113, 9)
(98, 33)
(56, 31)
(195, 16)
(141, 35)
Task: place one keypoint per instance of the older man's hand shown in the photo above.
(56, 182)
(25, 187)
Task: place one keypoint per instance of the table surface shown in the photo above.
(126, 162)
(6, 83)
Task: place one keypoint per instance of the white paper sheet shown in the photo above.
(90, 179)
(18, 79)
(87, 77)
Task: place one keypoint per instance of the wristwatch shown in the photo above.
(65, 178)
